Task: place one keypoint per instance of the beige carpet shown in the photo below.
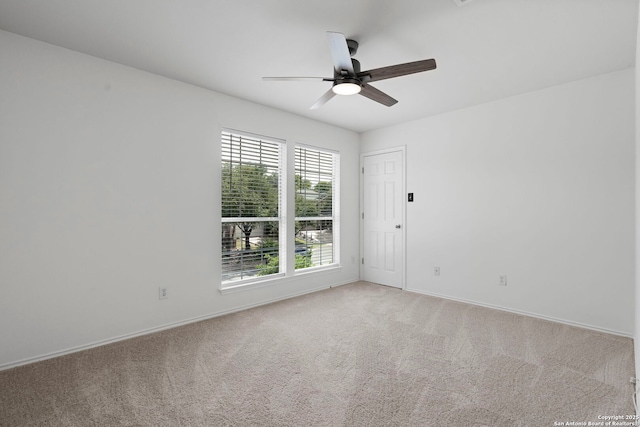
(356, 355)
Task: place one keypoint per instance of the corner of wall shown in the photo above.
(636, 337)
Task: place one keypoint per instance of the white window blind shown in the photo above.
(251, 206)
(315, 186)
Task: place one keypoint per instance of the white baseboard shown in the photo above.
(525, 313)
(164, 327)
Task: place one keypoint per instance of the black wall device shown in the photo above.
(410, 197)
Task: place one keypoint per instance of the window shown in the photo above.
(254, 216)
(251, 206)
(315, 187)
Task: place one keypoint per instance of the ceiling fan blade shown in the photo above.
(377, 95)
(340, 53)
(296, 79)
(397, 70)
(323, 100)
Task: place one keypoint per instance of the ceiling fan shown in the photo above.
(349, 80)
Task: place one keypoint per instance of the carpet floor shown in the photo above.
(355, 355)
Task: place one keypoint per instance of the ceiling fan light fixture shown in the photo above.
(347, 87)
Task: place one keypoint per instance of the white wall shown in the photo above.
(109, 188)
(539, 187)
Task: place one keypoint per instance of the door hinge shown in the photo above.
(362, 261)
(362, 215)
(362, 169)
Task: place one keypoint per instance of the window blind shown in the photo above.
(251, 205)
(315, 175)
(250, 176)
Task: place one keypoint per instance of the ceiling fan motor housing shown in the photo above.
(344, 73)
(346, 79)
(353, 46)
(356, 65)
(347, 83)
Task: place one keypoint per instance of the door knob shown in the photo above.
(398, 226)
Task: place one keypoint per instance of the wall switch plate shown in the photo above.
(436, 271)
(502, 280)
(163, 293)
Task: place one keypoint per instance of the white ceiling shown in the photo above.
(485, 49)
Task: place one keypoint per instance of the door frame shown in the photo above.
(403, 154)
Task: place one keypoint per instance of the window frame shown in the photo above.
(286, 214)
(281, 204)
(335, 207)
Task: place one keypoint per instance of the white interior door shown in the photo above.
(383, 218)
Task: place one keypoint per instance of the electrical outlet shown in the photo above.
(502, 280)
(436, 271)
(163, 293)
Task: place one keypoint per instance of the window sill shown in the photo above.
(277, 278)
(311, 270)
(250, 284)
